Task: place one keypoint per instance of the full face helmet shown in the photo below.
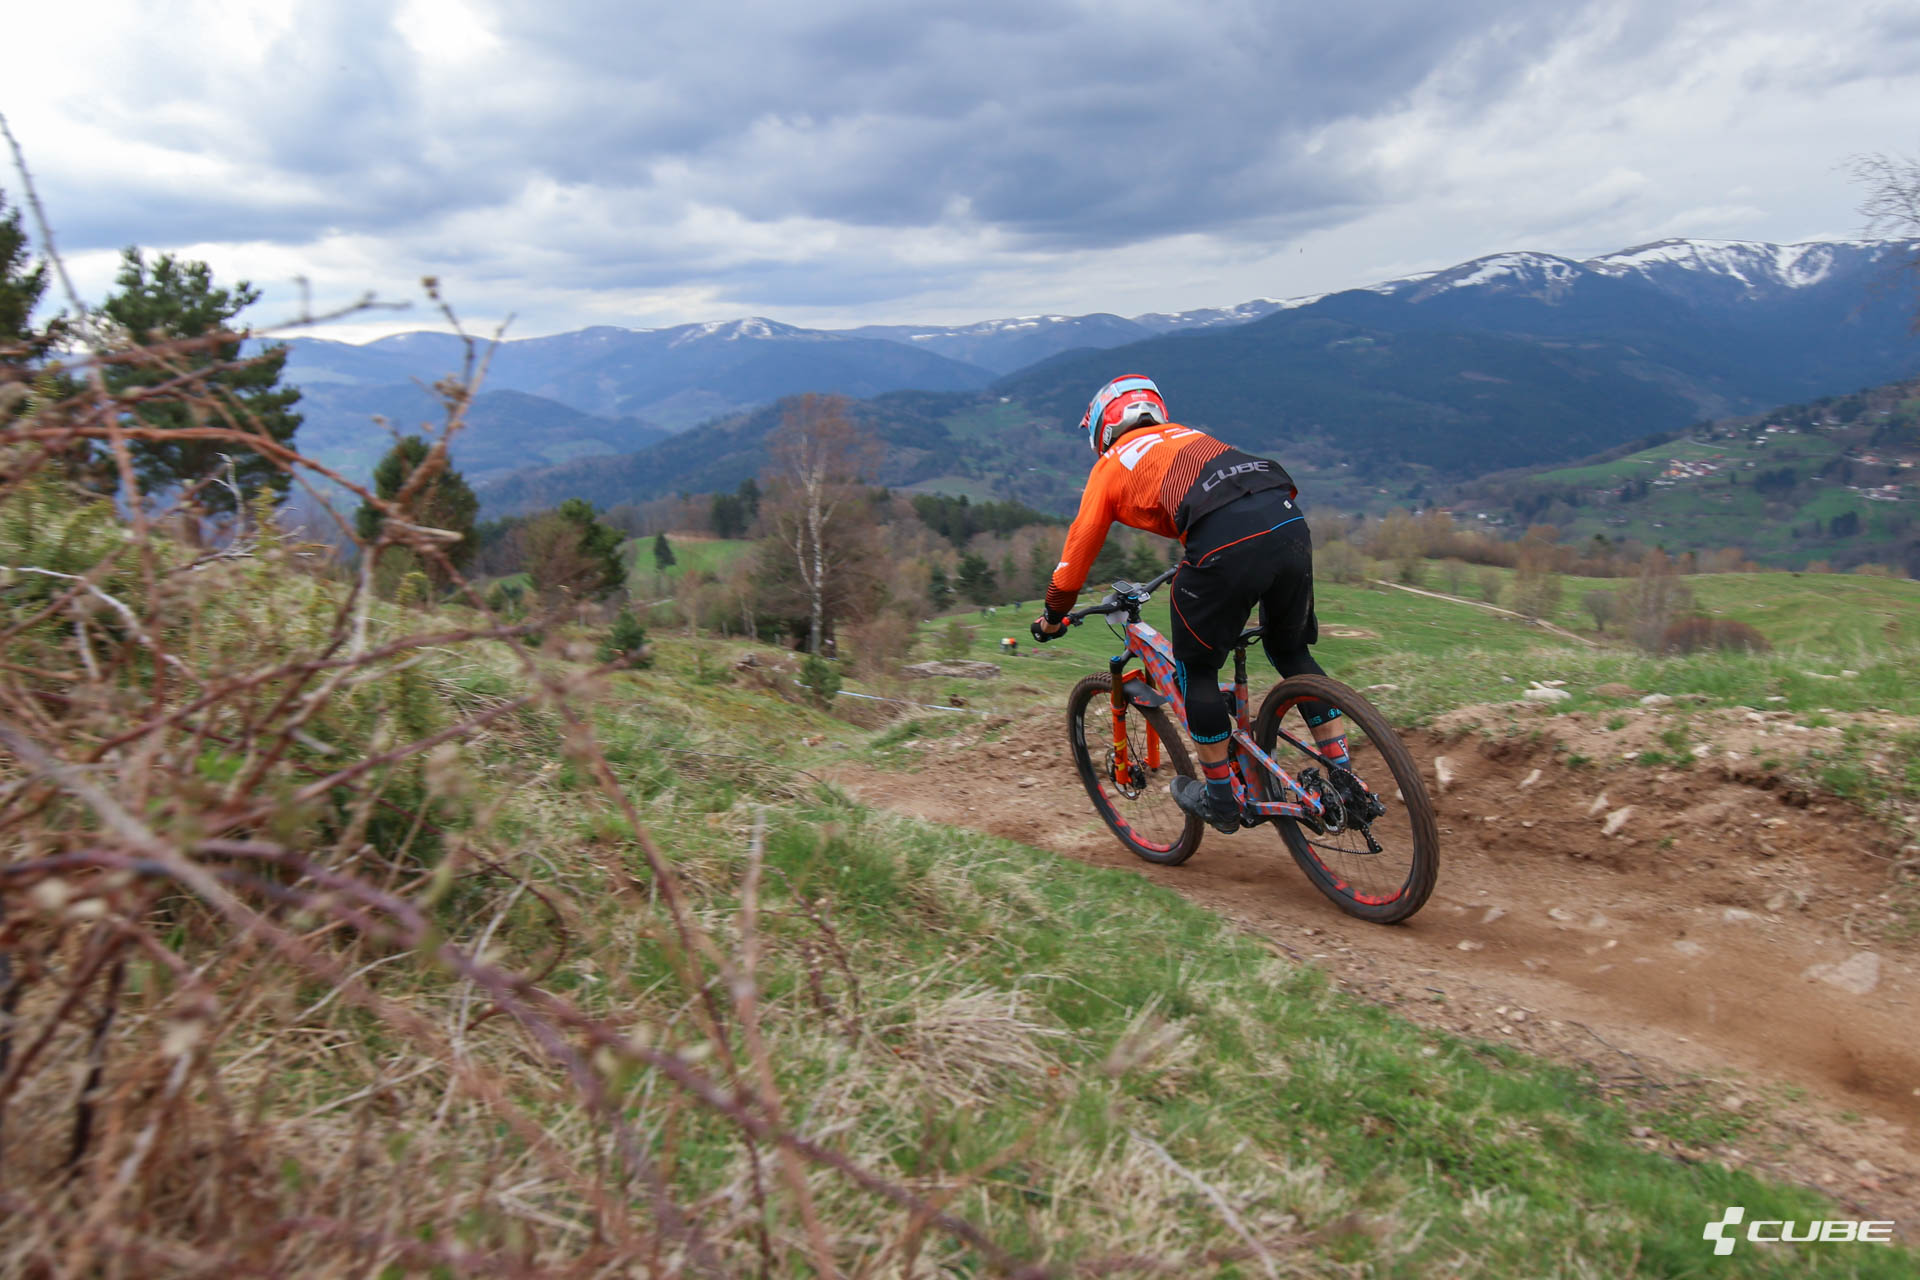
(1127, 402)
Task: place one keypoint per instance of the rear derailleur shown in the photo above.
(1345, 804)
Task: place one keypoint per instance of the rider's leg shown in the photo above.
(1210, 724)
(1286, 613)
(1205, 612)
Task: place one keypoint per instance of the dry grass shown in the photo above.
(284, 911)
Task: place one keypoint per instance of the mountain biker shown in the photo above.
(1245, 542)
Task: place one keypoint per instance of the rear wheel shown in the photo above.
(1377, 866)
(1139, 805)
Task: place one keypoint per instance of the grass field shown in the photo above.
(1114, 1031)
(1439, 654)
(691, 554)
(1723, 509)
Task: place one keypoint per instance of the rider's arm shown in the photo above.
(1085, 537)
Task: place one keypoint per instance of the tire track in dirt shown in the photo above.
(1682, 957)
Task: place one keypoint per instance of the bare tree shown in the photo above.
(1536, 579)
(1655, 599)
(1892, 205)
(819, 458)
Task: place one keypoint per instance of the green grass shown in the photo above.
(1723, 509)
(1393, 1149)
(1099, 1010)
(690, 554)
(1440, 654)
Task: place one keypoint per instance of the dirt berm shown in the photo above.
(1731, 945)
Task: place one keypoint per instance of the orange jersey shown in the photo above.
(1160, 479)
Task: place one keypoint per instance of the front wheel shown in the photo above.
(1379, 866)
(1136, 802)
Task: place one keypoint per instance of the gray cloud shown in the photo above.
(849, 152)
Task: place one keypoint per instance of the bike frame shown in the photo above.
(1155, 653)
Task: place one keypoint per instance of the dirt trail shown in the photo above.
(1721, 937)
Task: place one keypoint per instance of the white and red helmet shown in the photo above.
(1129, 401)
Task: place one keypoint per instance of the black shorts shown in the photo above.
(1254, 552)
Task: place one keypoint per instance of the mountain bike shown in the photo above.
(1373, 849)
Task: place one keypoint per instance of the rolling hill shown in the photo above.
(1835, 480)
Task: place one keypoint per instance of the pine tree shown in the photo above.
(663, 557)
(445, 501)
(20, 289)
(170, 300)
(729, 516)
(627, 639)
(975, 580)
(567, 553)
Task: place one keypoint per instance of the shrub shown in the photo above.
(1490, 586)
(1536, 593)
(1603, 606)
(822, 679)
(508, 599)
(1342, 562)
(881, 643)
(1698, 634)
(628, 639)
(956, 638)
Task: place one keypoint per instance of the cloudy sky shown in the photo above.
(840, 162)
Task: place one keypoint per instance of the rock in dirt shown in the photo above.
(1857, 975)
(1529, 780)
(1656, 700)
(1598, 806)
(959, 669)
(1468, 944)
(1547, 695)
(1616, 820)
(1443, 773)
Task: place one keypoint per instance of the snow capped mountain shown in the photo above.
(1014, 342)
(1538, 271)
(1213, 317)
(1756, 265)
(1751, 268)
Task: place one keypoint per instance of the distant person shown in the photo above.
(1246, 544)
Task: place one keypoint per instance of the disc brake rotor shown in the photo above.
(1131, 786)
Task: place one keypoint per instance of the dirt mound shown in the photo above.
(1657, 924)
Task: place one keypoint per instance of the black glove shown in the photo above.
(1041, 636)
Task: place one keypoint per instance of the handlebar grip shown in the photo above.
(1039, 636)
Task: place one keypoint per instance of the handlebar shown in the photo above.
(1128, 596)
